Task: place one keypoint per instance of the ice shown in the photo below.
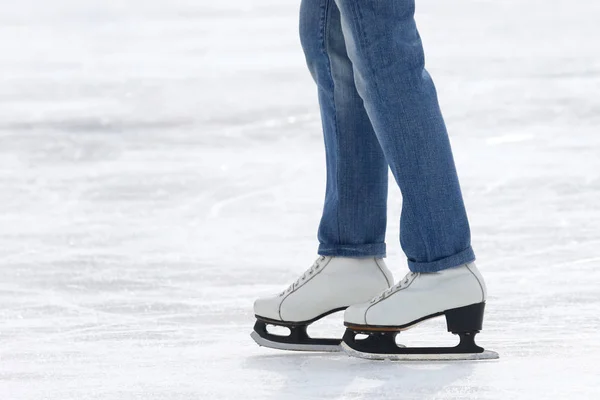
(161, 166)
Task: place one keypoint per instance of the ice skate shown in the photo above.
(459, 294)
(330, 285)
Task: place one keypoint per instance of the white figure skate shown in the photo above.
(457, 293)
(330, 285)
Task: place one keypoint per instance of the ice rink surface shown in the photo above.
(161, 166)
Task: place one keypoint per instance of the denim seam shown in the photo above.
(365, 41)
(310, 279)
(352, 246)
(366, 250)
(459, 256)
(325, 49)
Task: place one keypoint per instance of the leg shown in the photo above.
(355, 211)
(352, 229)
(400, 98)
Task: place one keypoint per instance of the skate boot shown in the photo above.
(330, 285)
(458, 293)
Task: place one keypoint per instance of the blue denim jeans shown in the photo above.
(379, 108)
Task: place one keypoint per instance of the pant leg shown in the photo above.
(354, 215)
(401, 101)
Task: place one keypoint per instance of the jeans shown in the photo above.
(379, 108)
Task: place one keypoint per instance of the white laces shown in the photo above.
(309, 272)
(400, 285)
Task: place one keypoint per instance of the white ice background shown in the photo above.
(161, 166)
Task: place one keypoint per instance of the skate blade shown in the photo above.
(486, 355)
(294, 346)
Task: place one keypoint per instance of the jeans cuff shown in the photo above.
(353, 250)
(455, 260)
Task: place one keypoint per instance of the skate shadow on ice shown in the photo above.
(335, 375)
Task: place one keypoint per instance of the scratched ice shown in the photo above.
(161, 166)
